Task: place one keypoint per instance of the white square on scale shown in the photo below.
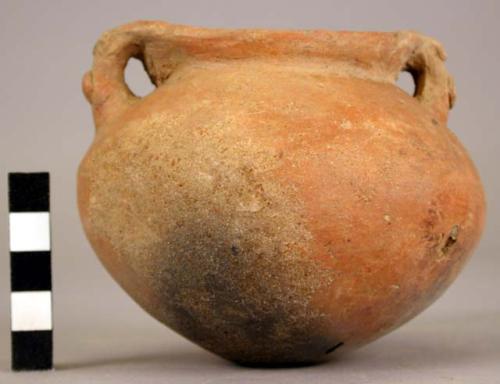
(29, 231)
(31, 311)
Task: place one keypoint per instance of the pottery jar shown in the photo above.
(277, 198)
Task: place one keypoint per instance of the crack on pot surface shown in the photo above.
(335, 347)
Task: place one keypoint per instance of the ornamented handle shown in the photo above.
(424, 58)
(104, 86)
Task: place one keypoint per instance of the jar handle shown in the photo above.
(104, 85)
(423, 57)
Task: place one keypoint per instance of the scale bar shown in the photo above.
(31, 276)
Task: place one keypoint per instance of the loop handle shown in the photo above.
(424, 58)
(104, 86)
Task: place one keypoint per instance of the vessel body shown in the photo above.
(277, 199)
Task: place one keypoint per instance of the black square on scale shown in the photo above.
(30, 271)
(31, 350)
(29, 192)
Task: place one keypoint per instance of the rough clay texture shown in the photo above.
(277, 197)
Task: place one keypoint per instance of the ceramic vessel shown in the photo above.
(277, 197)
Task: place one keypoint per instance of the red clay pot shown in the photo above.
(277, 197)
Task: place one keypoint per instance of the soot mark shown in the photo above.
(336, 346)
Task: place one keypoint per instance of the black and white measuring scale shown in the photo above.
(31, 277)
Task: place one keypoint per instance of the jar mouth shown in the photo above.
(276, 43)
(165, 46)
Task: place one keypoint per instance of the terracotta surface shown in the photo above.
(277, 197)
